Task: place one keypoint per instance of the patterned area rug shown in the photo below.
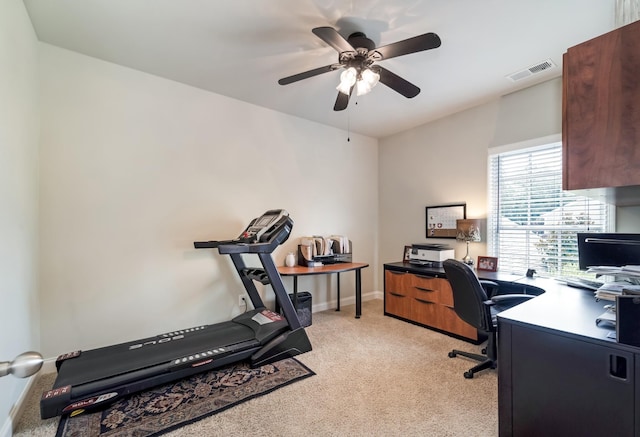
(171, 406)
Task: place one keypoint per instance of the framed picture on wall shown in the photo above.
(488, 263)
(406, 257)
(441, 220)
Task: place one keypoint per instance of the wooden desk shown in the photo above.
(328, 269)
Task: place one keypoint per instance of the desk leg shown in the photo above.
(295, 292)
(358, 294)
(338, 307)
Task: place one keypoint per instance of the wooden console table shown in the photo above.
(328, 269)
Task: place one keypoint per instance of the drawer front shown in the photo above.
(445, 293)
(426, 312)
(450, 322)
(397, 294)
(398, 282)
(426, 288)
(397, 304)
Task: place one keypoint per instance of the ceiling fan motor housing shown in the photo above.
(359, 40)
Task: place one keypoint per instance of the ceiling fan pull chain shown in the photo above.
(348, 124)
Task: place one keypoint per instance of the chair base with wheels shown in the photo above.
(485, 362)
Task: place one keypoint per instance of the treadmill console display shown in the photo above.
(260, 226)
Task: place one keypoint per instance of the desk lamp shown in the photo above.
(468, 230)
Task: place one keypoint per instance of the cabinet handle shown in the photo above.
(424, 277)
(396, 294)
(428, 290)
(393, 272)
(618, 367)
(425, 301)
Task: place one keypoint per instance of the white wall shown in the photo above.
(445, 161)
(18, 196)
(135, 168)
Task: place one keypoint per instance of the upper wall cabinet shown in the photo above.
(601, 116)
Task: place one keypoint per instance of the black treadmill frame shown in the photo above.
(287, 343)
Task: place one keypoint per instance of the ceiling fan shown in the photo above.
(357, 55)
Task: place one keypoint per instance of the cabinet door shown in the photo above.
(565, 386)
(398, 293)
(450, 321)
(601, 111)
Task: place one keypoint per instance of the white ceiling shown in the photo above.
(240, 48)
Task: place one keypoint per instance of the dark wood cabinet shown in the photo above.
(601, 115)
(424, 298)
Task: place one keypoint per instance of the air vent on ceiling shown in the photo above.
(534, 69)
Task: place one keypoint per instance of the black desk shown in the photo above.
(338, 268)
(559, 373)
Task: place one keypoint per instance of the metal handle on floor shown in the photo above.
(23, 365)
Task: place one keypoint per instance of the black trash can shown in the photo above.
(303, 307)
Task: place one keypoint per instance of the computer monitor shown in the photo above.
(608, 249)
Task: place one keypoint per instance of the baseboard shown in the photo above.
(347, 301)
(17, 409)
(7, 428)
(48, 366)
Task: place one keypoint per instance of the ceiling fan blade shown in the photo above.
(412, 45)
(397, 83)
(308, 74)
(342, 101)
(333, 38)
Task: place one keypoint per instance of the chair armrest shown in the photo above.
(490, 287)
(511, 298)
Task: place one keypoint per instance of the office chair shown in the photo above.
(472, 304)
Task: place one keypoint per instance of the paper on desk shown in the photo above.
(615, 286)
(608, 317)
(606, 294)
(609, 290)
(630, 271)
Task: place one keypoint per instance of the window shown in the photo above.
(532, 221)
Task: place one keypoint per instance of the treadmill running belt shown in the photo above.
(97, 364)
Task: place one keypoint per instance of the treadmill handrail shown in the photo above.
(211, 244)
(227, 249)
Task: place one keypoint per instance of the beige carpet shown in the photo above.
(376, 376)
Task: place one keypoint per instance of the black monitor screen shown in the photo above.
(602, 249)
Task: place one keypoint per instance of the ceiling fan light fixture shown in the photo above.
(347, 80)
(368, 79)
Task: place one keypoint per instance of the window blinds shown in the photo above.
(533, 222)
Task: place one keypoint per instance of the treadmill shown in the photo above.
(90, 380)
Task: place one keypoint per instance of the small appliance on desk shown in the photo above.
(430, 255)
(317, 251)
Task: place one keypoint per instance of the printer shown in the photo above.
(431, 255)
